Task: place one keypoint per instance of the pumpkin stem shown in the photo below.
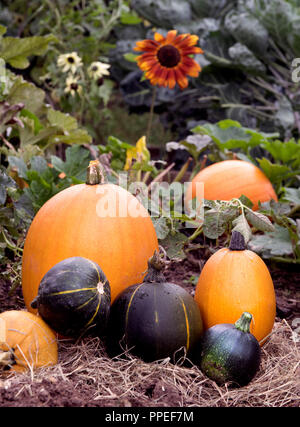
(95, 173)
(237, 242)
(156, 265)
(243, 323)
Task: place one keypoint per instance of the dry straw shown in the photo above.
(85, 366)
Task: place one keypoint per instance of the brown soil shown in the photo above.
(87, 377)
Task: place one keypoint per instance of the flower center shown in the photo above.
(168, 56)
(74, 86)
(70, 59)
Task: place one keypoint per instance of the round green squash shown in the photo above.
(230, 353)
(155, 319)
(74, 296)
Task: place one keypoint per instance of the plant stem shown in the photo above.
(196, 233)
(151, 114)
(284, 260)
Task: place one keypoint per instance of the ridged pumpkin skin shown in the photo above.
(73, 296)
(230, 179)
(232, 282)
(33, 343)
(71, 224)
(156, 319)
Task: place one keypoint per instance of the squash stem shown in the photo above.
(243, 323)
(237, 242)
(156, 265)
(95, 173)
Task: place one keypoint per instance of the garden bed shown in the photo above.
(86, 377)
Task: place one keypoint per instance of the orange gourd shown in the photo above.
(26, 342)
(235, 280)
(96, 220)
(230, 179)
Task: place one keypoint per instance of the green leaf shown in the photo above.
(165, 13)
(259, 221)
(131, 57)
(77, 160)
(241, 224)
(276, 243)
(130, 18)
(246, 201)
(214, 224)
(277, 17)
(16, 51)
(68, 125)
(2, 30)
(161, 227)
(63, 121)
(242, 56)
(5, 182)
(173, 244)
(275, 172)
(229, 134)
(37, 124)
(38, 164)
(247, 30)
(19, 164)
(292, 195)
(31, 96)
(283, 151)
(206, 8)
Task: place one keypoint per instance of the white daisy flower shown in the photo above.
(98, 69)
(72, 86)
(69, 62)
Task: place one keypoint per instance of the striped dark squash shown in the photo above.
(230, 353)
(155, 319)
(73, 296)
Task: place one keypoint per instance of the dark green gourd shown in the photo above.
(230, 353)
(155, 319)
(73, 296)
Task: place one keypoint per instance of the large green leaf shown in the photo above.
(77, 160)
(274, 171)
(229, 134)
(247, 30)
(164, 13)
(275, 243)
(5, 182)
(16, 51)
(283, 151)
(62, 120)
(68, 126)
(243, 57)
(277, 17)
(208, 8)
(31, 96)
(292, 195)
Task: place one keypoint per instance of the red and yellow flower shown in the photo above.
(167, 60)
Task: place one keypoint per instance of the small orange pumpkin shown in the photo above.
(230, 179)
(26, 342)
(235, 280)
(99, 221)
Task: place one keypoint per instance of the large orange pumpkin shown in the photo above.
(230, 179)
(26, 341)
(235, 280)
(99, 221)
